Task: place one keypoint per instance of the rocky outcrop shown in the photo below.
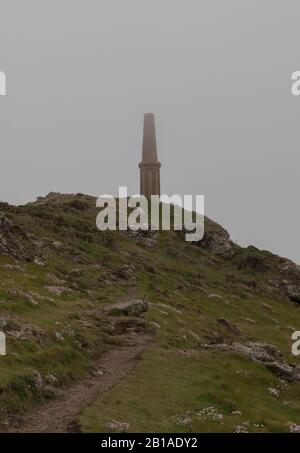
(253, 263)
(291, 281)
(263, 353)
(293, 293)
(145, 238)
(217, 240)
(127, 271)
(287, 280)
(133, 307)
(14, 241)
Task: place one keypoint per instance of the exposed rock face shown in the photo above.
(127, 271)
(291, 279)
(281, 275)
(145, 238)
(264, 353)
(261, 352)
(255, 263)
(18, 242)
(288, 281)
(217, 240)
(134, 307)
(228, 326)
(14, 241)
(294, 293)
(285, 274)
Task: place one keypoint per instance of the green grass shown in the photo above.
(169, 392)
(177, 380)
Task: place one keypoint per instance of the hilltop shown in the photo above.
(208, 325)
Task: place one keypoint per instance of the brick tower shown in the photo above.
(149, 167)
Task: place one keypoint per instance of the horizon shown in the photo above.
(226, 119)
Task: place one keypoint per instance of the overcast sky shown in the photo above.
(217, 75)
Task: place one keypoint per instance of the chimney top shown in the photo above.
(149, 139)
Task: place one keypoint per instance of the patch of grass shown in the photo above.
(203, 392)
(178, 385)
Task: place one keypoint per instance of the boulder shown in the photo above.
(294, 293)
(127, 271)
(263, 353)
(260, 352)
(133, 307)
(217, 240)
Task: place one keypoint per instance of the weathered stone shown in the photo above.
(228, 326)
(127, 271)
(294, 293)
(263, 353)
(57, 290)
(134, 307)
(217, 240)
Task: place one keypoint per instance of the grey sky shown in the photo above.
(81, 73)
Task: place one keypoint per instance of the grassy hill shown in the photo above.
(221, 315)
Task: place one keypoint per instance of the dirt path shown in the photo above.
(58, 416)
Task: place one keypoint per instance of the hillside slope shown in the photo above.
(222, 317)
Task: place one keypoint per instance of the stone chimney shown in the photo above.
(149, 167)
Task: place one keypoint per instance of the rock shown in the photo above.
(146, 238)
(291, 270)
(263, 353)
(169, 307)
(288, 284)
(57, 244)
(3, 324)
(293, 293)
(55, 279)
(58, 336)
(37, 382)
(267, 306)
(294, 428)
(81, 259)
(194, 335)
(127, 271)
(243, 428)
(24, 332)
(296, 373)
(280, 369)
(134, 307)
(251, 283)
(78, 205)
(257, 263)
(5, 222)
(217, 240)
(250, 320)
(57, 290)
(54, 392)
(230, 327)
(38, 261)
(51, 378)
(17, 242)
(13, 267)
(4, 426)
(236, 413)
(149, 242)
